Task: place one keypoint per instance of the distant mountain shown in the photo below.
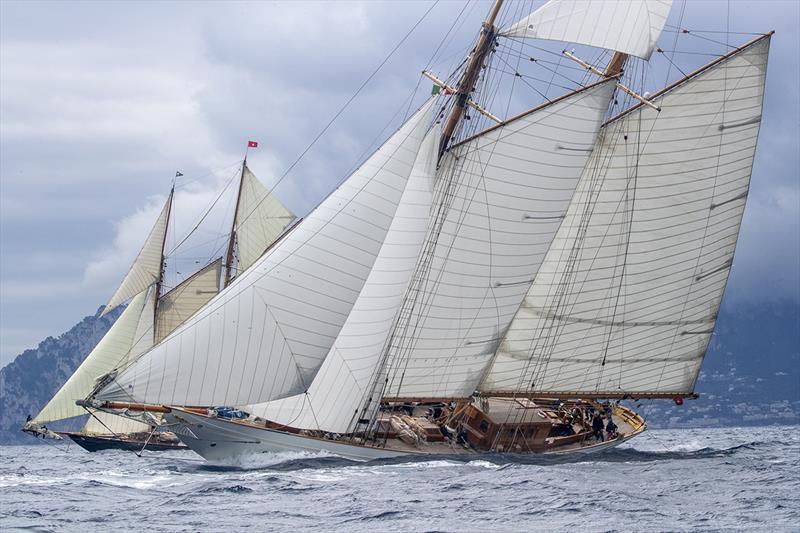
(28, 382)
(750, 376)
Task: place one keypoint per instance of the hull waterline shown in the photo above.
(222, 441)
(96, 443)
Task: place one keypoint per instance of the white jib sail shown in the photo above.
(180, 303)
(146, 268)
(266, 335)
(102, 423)
(506, 194)
(260, 219)
(112, 349)
(629, 26)
(627, 298)
(345, 378)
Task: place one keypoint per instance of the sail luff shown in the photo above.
(628, 295)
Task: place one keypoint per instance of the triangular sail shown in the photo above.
(628, 26)
(260, 219)
(503, 196)
(345, 378)
(180, 303)
(146, 268)
(112, 349)
(628, 295)
(267, 334)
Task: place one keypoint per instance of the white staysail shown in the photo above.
(112, 349)
(102, 423)
(628, 26)
(505, 193)
(346, 376)
(146, 268)
(266, 335)
(260, 219)
(177, 305)
(628, 295)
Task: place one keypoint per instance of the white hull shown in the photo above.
(221, 440)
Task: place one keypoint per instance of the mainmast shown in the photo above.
(616, 64)
(229, 255)
(467, 82)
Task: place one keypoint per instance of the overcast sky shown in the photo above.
(100, 103)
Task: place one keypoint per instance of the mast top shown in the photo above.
(467, 82)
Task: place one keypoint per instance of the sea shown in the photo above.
(721, 479)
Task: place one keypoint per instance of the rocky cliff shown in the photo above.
(34, 376)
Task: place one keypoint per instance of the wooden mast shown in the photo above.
(161, 267)
(229, 255)
(616, 64)
(467, 82)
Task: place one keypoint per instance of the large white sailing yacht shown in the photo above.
(483, 284)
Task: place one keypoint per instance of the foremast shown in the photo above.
(159, 283)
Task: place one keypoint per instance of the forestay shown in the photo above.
(628, 295)
(146, 268)
(260, 219)
(177, 305)
(500, 198)
(345, 379)
(628, 26)
(266, 335)
(112, 349)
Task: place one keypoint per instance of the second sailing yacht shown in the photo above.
(152, 314)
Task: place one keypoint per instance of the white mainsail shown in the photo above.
(627, 297)
(267, 334)
(180, 303)
(345, 377)
(146, 268)
(628, 26)
(112, 350)
(260, 219)
(508, 190)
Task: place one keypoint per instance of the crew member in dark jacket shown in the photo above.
(597, 427)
